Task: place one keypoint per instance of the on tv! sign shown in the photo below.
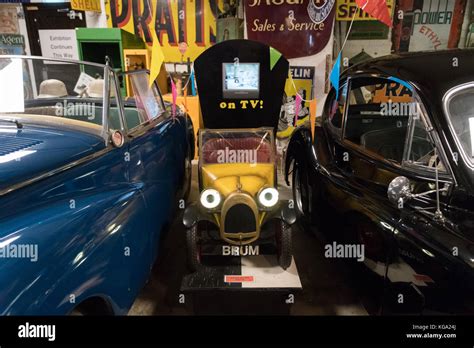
(174, 21)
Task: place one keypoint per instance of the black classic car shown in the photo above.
(391, 168)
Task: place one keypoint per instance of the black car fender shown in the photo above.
(190, 134)
(288, 213)
(285, 212)
(298, 148)
(193, 214)
(301, 150)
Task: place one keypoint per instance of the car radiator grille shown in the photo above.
(240, 218)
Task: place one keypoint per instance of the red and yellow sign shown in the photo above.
(86, 5)
(345, 10)
(175, 22)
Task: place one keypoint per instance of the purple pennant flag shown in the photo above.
(298, 100)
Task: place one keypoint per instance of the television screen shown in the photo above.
(241, 80)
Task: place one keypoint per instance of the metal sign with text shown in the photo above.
(282, 23)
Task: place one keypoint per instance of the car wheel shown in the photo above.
(193, 248)
(284, 244)
(301, 195)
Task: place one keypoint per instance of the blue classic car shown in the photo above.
(88, 183)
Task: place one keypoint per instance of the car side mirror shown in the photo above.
(399, 191)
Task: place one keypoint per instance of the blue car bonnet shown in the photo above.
(31, 151)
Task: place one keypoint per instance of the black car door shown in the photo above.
(384, 138)
(424, 240)
(369, 156)
(372, 144)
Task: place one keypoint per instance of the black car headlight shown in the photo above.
(210, 199)
(268, 197)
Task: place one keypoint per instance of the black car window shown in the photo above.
(377, 116)
(420, 150)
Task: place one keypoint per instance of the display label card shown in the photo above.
(83, 82)
(238, 279)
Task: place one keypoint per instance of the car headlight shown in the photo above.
(268, 197)
(210, 199)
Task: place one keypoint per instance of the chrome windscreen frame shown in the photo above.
(108, 72)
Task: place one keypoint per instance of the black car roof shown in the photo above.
(432, 72)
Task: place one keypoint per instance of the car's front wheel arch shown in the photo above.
(95, 305)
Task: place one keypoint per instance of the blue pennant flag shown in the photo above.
(335, 74)
(403, 83)
(193, 87)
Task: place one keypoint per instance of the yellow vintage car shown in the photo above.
(239, 207)
(240, 211)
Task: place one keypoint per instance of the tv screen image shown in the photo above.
(241, 80)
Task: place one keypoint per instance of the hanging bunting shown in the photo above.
(274, 57)
(312, 116)
(377, 9)
(157, 59)
(174, 93)
(298, 100)
(192, 82)
(335, 74)
(185, 95)
(403, 83)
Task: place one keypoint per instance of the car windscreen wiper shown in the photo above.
(18, 124)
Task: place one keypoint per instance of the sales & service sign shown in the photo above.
(296, 28)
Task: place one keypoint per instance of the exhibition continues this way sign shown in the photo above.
(58, 43)
(282, 23)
